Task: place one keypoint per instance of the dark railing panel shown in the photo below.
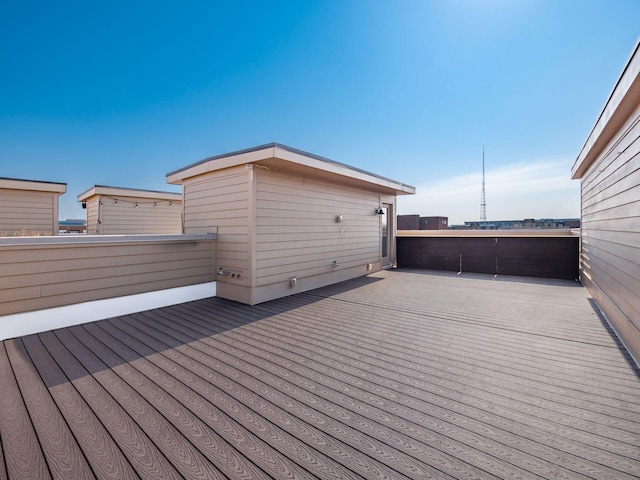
(548, 257)
(539, 257)
(478, 254)
(435, 254)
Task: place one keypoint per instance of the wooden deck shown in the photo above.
(403, 374)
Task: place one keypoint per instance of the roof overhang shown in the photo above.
(622, 102)
(33, 185)
(128, 192)
(276, 156)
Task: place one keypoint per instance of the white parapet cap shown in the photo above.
(129, 192)
(278, 156)
(621, 103)
(85, 240)
(32, 185)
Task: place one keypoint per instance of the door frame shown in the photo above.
(387, 260)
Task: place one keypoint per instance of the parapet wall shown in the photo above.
(46, 272)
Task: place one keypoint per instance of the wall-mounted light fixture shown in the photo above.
(379, 211)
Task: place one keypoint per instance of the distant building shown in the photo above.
(416, 222)
(408, 222)
(544, 223)
(72, 225)
(434, 223)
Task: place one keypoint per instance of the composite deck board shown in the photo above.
(412, 362)
(443, 383)
(64, 457)
(23, 457)
(253, 449)
(166, 435)
(403, 430)
(103, 454)
(445, 369)
(203, 437)
(262, 389)
(339, 366)
(114, 413)
(324, 440)
(402, 374)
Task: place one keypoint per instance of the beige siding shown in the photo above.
(24, 212)
(132, 215)
(220, 202)
(43, 275)
(92, 216)
(297, 234)
(130, 211)
(274, 209)
(611, 231)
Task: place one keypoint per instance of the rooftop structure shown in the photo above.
(287, 220)
(125, 211)
(486, 379)
(416, 222)
(29, 207)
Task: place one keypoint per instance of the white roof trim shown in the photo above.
(129, 192)
(292, 155)
(33, 185)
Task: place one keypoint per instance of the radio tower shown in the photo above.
(483, 200)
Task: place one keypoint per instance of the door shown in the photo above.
(386, 232)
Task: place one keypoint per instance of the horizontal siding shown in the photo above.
(610, 258)
(220, 201)
(297, 233)
(27, 213)
(627, 180)
(608, 264)
(150, 216)
(42, 276)
(612, 167)
(92, 217)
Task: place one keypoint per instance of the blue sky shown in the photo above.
(120, 93)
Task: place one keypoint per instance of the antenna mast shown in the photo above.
(483, 200)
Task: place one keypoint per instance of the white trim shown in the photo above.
(19, 324)
(33, 185)
(291, 156)
(129, 192)
(83, 240)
